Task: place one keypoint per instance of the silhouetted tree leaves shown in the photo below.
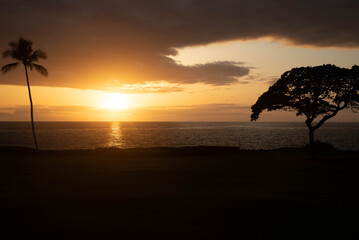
(318, 93)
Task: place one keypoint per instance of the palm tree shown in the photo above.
(22, 52)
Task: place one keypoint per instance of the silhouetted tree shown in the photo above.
(22, 52)
(315, 92)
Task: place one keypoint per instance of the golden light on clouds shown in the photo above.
(142, 71)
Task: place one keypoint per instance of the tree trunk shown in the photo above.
(32, 110)
(311, 129)
(311, 142)
(311, 136)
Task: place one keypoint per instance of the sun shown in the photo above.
(115, 101)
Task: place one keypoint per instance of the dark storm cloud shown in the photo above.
(92, 43)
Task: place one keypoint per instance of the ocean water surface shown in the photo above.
(246, 135)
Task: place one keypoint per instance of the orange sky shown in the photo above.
(168, 60)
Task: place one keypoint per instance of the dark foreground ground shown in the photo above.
(185, 193)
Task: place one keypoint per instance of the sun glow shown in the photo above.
(115, 101)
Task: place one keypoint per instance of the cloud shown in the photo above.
(44, 113)
(149, 87)
(204, 112)
(5, 115)
(105, 44)
(260, 77)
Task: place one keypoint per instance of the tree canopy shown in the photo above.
(318, 93)
(22, 52)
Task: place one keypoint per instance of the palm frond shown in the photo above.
(40, 54)
(24, 48)
(40, 69)
(36, 55)
(13, 44)
(8, 67)
(23, 52)
(11, 53)
(7, 53)
(24, 41)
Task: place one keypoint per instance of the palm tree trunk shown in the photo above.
(32, 109)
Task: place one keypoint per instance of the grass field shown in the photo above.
(178, 193)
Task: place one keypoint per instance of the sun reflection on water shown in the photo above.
(116, 137)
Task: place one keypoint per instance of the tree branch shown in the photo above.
(325, 118)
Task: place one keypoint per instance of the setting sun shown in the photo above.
(115, 101)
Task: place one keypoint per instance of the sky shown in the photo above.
(169, 60)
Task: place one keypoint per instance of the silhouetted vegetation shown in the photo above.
(318, 93)
(22, 52)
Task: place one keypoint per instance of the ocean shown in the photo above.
(246, 135)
